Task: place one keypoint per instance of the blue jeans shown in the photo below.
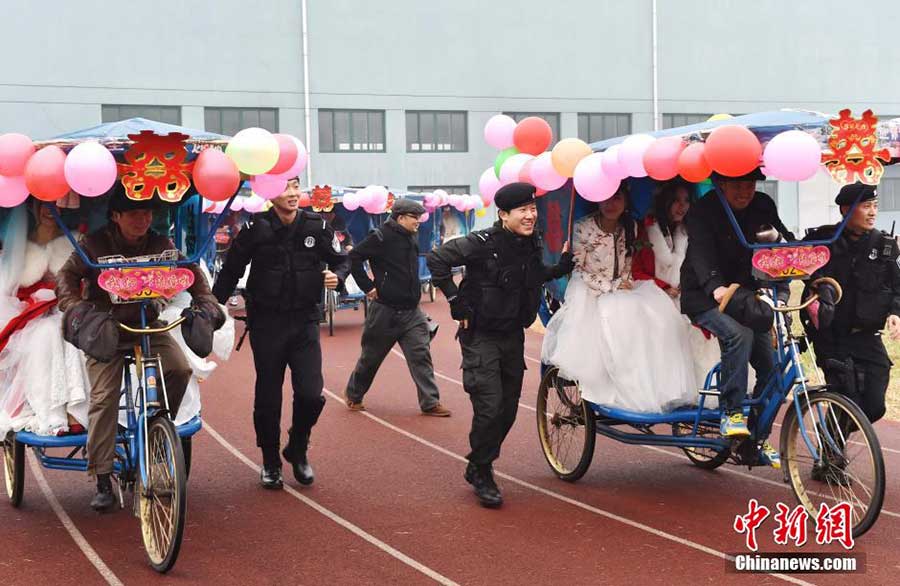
(740, 345)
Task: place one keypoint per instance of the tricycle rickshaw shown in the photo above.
(821, 428)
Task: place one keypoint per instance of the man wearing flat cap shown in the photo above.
(497, 299)
(716, 266)
(847, 335)
(394, 315)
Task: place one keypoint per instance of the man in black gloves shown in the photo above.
(847, 336)
(497, 299)
(294, 254)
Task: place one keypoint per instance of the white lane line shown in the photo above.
(532, 359)
(565, 499)
(69, 525)
(358, 531)
(668, 453)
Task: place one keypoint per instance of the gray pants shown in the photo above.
(385, 327)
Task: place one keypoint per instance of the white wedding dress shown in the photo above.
(627, 349)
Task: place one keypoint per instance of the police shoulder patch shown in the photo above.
(309, 242)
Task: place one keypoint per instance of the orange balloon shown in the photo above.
(566, 155)
(692, 164)
(45, 174)
(733, 150)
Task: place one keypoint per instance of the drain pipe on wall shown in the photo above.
(654, 67)
(306, 112)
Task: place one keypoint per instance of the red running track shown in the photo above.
(390, 506)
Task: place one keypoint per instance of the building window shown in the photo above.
(676, 120)
(889, 194)
(594, 127)
(229, 121)
(346, 131)
(770, 188)
(434, 131)
(552, 119)
(450, 189)
(116, 112)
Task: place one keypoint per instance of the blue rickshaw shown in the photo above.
(818, 423)
(152, 462)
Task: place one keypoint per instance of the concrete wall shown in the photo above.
(483, 58)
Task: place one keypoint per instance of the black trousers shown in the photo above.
(857, 366)
(493, 368)
(279, 340)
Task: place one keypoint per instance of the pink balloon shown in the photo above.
(544, 175)
(611, 165)
(254, 204)
(90, 169)
(631, 154)
(351, 201)
(15, 150)
(287, 154)
(12, 191)
(792, 156)
(661, 157)
(591, 182)
(509, 172)
(488, 185)
(498, 132)
(424, 217)
(299, 163)
(268, 186)
(525, 173)
(377, 199)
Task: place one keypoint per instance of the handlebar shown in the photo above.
(815, 296)
(159, 330)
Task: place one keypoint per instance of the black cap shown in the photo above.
(120, 202)
(404, 206)
(848, 194)
(754, 175)
(514, 195)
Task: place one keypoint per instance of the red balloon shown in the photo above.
(216, 177)
(661, 157)
(692, 164)
(538, 192)
(287, 154)
(532, 135)
(733, 150)
(45, 174)
(305, 200)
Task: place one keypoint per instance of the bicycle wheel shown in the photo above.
(850, 468)
(706, 458)
(566, 427)
(162, 495)
(331, 304)
(14, 468)
(430, 291)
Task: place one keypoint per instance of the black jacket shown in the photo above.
(287, 262)
(393, 254)
(869, 276)
(715, 257)
(504, 275)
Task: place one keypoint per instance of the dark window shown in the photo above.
(552, 119)
(889, 194)
(594, 127)
(229, 121)
(676, 120)
(345, 131)
(434, 131)
(116, 112)
(450, 189)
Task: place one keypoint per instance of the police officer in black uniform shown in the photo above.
(294, 253)
(847, 336)
(497, 299)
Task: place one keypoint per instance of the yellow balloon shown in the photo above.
(480, 213)
(253, 150)
(567, 154)
(717, 117)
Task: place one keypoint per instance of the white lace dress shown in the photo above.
(626, 348)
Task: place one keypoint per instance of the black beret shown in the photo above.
(514, 195)
(848, 194)
(754, 175)
(407, 206)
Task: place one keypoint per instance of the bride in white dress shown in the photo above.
(623, 341)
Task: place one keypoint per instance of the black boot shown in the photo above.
(295, 455)
(104, 500)
(482, 480)
(270, 477)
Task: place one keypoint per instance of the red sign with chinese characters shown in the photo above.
(791, 262)
(321, 199)
(156, 164)
(134, 284)
(853, 156)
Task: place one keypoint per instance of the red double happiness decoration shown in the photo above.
(853, 155)
(156, 164)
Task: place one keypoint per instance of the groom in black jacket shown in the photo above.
(394, 315)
